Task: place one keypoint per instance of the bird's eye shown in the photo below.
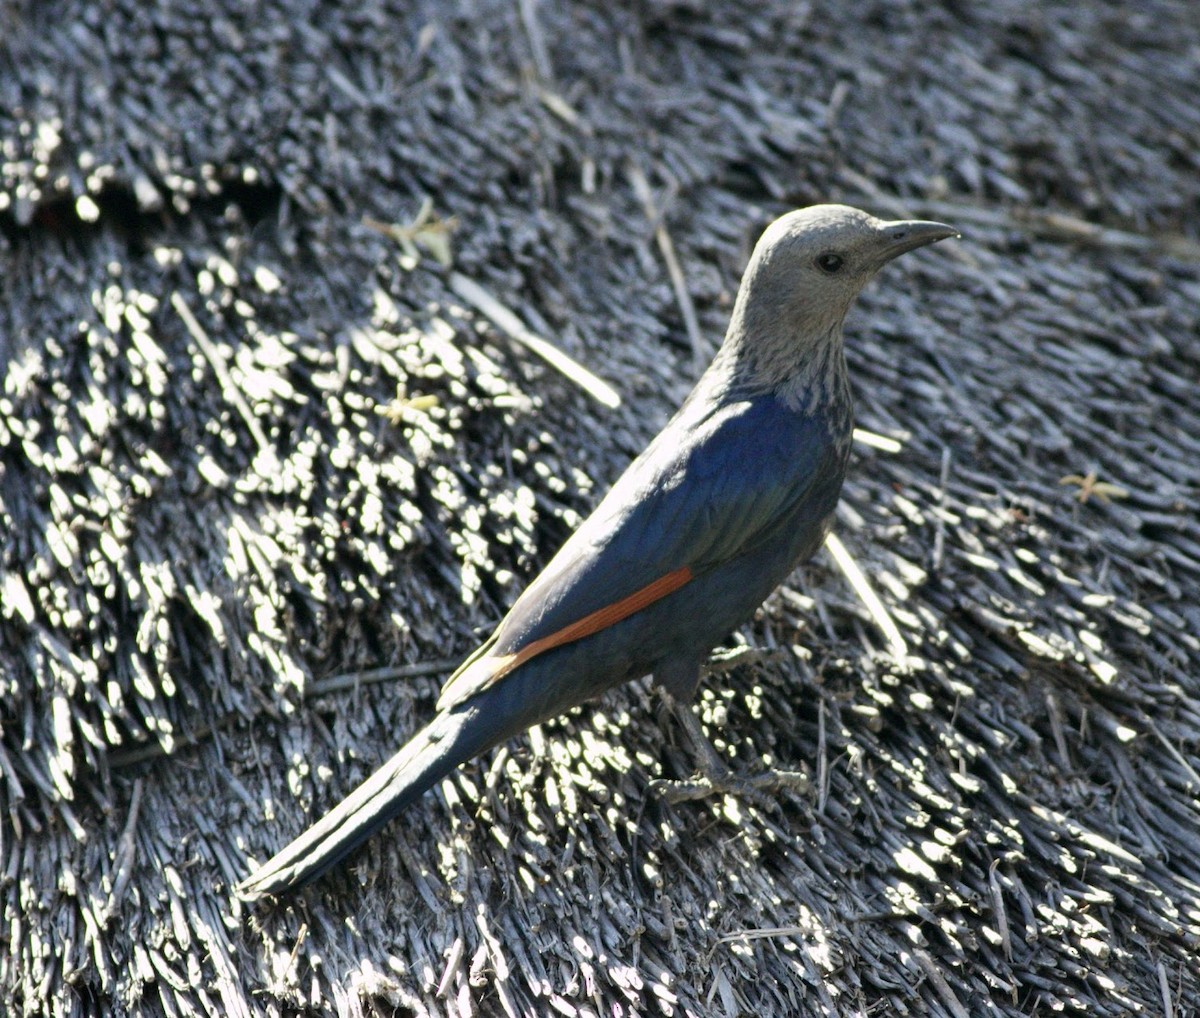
(829, 262)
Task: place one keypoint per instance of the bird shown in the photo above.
(738, 488)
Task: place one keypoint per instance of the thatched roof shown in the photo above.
(250, 441)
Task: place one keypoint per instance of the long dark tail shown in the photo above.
(448, 740)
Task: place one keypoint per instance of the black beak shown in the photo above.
(909, 234)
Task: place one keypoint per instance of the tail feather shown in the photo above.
(449, 739)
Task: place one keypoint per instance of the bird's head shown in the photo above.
(805, 272)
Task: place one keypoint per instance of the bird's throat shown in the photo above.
(808, 372)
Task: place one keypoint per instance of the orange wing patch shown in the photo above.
(478, 675)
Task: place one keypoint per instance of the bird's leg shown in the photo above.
(715, 777)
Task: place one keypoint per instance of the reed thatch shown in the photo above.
(257, 440)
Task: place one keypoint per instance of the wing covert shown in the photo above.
(705, 491)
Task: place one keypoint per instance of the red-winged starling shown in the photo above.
(737, 489)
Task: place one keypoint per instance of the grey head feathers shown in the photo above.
(785, 334)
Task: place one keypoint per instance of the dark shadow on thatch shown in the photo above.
(250, 441)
